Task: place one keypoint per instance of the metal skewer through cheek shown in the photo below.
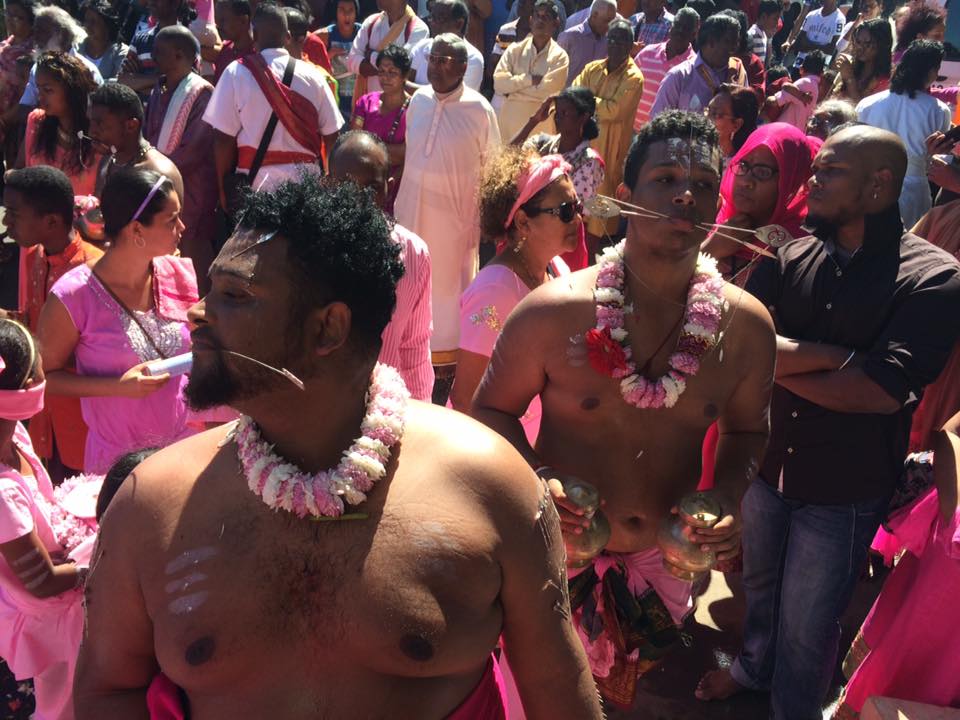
(756, 248)
(280, 371)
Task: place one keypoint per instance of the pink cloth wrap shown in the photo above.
(794, 152)
(174, 286)
(487, 701)
(539, 174)
(911, 629)
(21, 404)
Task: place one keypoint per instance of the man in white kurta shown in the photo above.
(395, 24)
(239, 112)
(529, 72)
(451, 131)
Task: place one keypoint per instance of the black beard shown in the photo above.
(211, 386)
(819, 226)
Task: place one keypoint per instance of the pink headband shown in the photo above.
(539, 174)
(21, 404)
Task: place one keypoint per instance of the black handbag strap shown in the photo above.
(271, 126)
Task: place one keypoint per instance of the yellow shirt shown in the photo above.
(618, 94)
(517, 98)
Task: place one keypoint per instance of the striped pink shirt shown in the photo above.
(406, 339)
(653, 63)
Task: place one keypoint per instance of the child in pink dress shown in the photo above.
(41, 615)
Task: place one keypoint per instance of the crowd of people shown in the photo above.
(429, 354)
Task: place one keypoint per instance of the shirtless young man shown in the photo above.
(389, 612)
(641, 461)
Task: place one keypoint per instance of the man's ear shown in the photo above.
(328, 328)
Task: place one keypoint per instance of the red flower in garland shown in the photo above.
(605, 353)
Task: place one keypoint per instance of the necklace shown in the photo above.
(608, 344)
(281, 484)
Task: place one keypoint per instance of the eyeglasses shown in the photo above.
(440, 59)
(565, 211)
(759, 172)
(714, 114)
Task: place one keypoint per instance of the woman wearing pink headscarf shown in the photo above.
(530, 205)
(764, 184)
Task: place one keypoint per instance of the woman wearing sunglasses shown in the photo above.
(530, 204)
(764, 184)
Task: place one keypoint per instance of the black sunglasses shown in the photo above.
(565, 211)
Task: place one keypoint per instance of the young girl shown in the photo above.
(41, 616)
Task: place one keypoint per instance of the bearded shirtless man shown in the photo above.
(389, 611)
(642, 461)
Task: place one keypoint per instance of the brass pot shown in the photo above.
(582, 548)
(681, 557)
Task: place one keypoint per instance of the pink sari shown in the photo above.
(907, 646)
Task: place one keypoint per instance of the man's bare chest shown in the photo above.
(399, 593)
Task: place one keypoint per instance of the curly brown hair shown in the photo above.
(78, 83)
(498, 188)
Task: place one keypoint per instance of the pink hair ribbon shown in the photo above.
(538, 175)
(21, 404)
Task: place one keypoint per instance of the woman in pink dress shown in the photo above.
(41, 615)
(530, 203)
(118, 315)
(54, 128)
(385, 113)
(907, 647)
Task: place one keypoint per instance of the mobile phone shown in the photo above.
(953, 134)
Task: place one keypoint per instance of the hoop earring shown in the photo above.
(519, 246)
(140, 242)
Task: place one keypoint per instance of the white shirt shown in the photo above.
(820, 28)
(448, 140)
(238, 108)
(371, 33)
(420, 54)
(912, 119)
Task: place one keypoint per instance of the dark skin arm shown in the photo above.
(535, 603)
(116, 662)
(36, 570)
(225, 158)
(542, 113)
(744, 424)
(849, 390)
(946, 466)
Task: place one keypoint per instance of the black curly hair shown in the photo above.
(339, 248)
(398, 55)
(912, 74)
(78, 83)
(666, 125)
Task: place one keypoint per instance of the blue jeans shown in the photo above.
(800, 565)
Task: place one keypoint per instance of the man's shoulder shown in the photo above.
(158, 486)
(560, 297)
(464, 451)
(930, 264)
(413, 245)
(473, 98)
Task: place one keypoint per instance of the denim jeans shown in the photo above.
(800, 565)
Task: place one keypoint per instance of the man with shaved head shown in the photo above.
(866, 317)
(361, 157)
(174, 124)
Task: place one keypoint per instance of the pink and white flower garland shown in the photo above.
(281, 484)
(700, 333)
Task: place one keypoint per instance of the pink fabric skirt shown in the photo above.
(488, 701)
